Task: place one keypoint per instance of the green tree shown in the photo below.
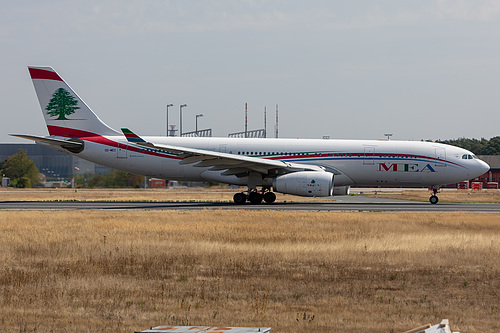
(96, 181)
(21, 170)
(80, 181)
(493, 146)
(114, 178)
(478, 147)
(117, 178)
(22, 182)
(61, 104)
(136, 181)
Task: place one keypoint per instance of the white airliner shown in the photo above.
(304, 167)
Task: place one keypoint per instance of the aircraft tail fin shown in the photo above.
(65, 113)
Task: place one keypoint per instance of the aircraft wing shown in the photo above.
(217, 161)
(66, 144)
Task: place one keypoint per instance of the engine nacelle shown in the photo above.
(74, 149)
(305, 183)
(341, 190)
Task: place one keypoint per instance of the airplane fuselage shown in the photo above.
(353, 162)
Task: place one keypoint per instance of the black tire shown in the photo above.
(255, 198)
(433, 199)
(269, 197)
(240, 198)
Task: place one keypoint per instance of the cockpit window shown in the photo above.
(468, 157)
(474, 156)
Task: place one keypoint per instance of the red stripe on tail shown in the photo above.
(131, 135)
(43, 74)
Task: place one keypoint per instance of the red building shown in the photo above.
(493, 176)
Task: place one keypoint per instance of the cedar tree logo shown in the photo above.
(61, 104)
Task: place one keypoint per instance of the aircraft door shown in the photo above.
(369, 156)
(121, 151)
(440, 157)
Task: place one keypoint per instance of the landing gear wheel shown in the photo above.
(255, 198)
(269, 197)
(433, 199)
(240, 198)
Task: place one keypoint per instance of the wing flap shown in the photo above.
(222, 162)
(193, 158)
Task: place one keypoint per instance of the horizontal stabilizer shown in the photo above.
(72, 146)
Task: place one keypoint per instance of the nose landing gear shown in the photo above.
(434, 199)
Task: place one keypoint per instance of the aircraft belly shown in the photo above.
(216, 176)
(408, 179)
(441, 177)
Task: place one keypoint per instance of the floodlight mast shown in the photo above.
(198, 116)
(168, 105)
(180, 118)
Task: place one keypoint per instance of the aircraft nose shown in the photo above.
(482, 167)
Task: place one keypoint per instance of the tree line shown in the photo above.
(23, 173)
(21, 170)
(478, 147)
(114, 178)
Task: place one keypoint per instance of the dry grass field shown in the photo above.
(124, 271)
(446, 195)
(221, 194)
(154, 195)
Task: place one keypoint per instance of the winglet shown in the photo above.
(131, 136)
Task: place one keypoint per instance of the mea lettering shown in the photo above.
(404, 167)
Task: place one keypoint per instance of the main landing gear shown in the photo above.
(240, 198)
(434, 199)
(255, 197)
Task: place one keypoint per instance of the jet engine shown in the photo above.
(341, 190)
(74, 148)
(305, 183)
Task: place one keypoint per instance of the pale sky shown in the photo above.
(348, 69)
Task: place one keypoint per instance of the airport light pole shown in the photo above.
(198, 116)
(168, 105)
(180, 118)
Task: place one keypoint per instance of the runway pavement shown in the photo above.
(347, 203)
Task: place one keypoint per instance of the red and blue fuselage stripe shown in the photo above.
(133, 138)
